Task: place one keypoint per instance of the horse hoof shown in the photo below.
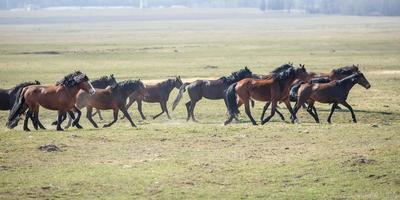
(60, 129)
(106, 126)
(54, 123)
(27, 129)
(78, 126)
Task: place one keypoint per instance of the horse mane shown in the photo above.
(73, 79)
(125, 84)
(285, 73)
(282, 68)
(348, 77)
(321, 80)
(24, 84)
(347, 70)
(235, 76)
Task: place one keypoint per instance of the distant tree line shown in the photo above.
(347, 7)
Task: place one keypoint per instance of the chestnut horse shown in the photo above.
(334, 92)
(273, 89)
(210, 89)
(112, 98)
(158, 93)
(99, 83)
(60, 97)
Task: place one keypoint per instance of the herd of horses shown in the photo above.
(286, 84)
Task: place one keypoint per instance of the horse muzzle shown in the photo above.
(92, 92)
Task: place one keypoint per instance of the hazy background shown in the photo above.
(354, 7)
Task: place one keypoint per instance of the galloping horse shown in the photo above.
(60, 97)
(113, 97)
(100, 83)
(158, 93)
(8, 96)
(334, 92)
(335, 74)
(274, 89)
(210, 89)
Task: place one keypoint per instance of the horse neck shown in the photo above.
(99, 84)
(288, 83)
(71, 91)
(347, 83)
(168, 86)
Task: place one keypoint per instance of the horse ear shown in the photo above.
(246, 68)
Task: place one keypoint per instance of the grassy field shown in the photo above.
(173, 159)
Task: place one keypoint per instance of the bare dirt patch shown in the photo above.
(49, 148)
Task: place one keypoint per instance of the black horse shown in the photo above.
(210, 89)
(8, 96)
(158, 93)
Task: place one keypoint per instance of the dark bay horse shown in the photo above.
(335, 74)
(209, 89)
(112, 98)
(273, 90)
(60, 97)
(158, 93)
(8, 96)
(100, 83)
(334, 92)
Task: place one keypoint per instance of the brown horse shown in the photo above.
(274, 89)
(158, 93)
(112, 98)
(60, 97)
(334, 92)
(335, 74)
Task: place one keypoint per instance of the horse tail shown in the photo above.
(231, 102)
(293, 91)
(17, 110)
(180, 94)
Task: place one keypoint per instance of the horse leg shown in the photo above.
(162, 111)
(131, 100)
(139, 107)
(193, 105)
(289, 107)
(248, 112)
(115, 114)
(61, 114)
(27, 116)
(100, 116)
(164, 105)
(188, 110)
(316, 114)
(351, 110)
(71, 117)
(37, 121)
(78, 117)
(89, 116)
(34, 122)
(123, 109)
(273, 109)
(330, 114)
(265, 108)
(310, 110)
